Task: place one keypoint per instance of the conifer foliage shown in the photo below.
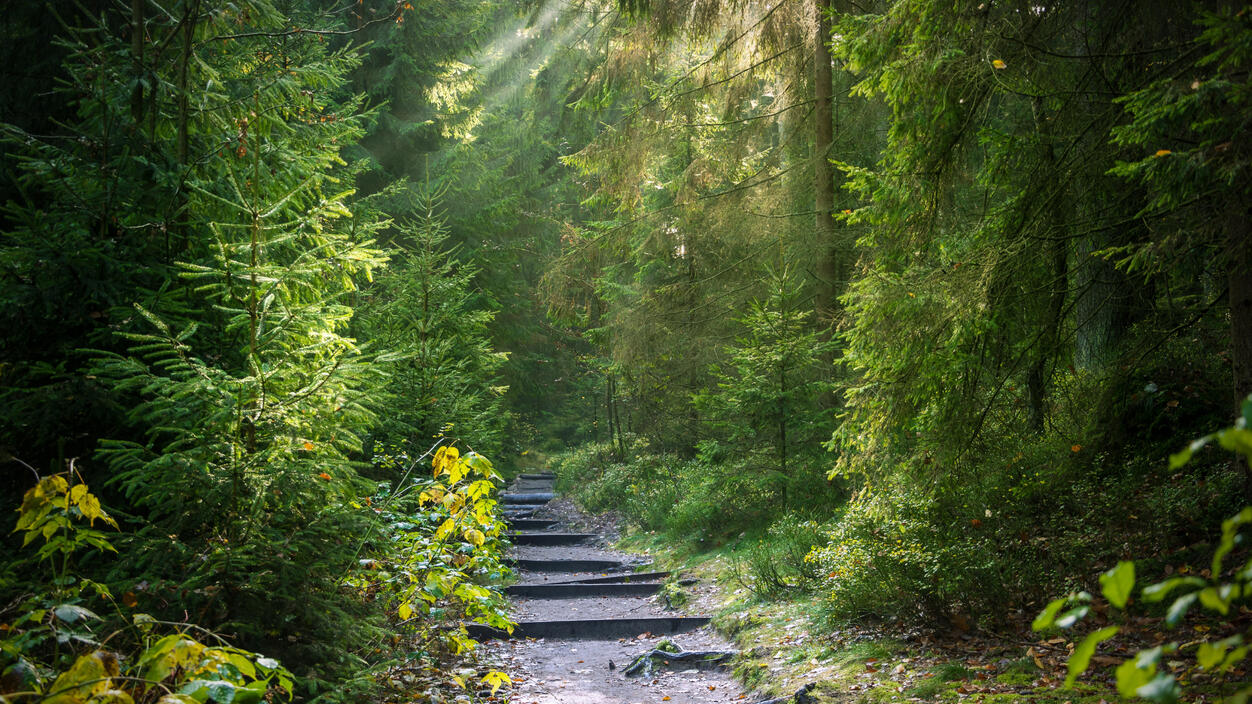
(189, 250)
(427, 314)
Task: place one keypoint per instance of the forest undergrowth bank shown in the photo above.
(879, 600)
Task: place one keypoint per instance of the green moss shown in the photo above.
(1015, 678)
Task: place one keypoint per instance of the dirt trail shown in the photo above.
(588, 668)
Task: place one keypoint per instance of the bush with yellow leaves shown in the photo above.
(50, 653)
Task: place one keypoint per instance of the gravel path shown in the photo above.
(552, 671)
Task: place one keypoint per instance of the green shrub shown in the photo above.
(779, 563)
(1223, 590)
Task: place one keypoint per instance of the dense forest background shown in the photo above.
(913, 298)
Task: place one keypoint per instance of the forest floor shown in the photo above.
(786, 644)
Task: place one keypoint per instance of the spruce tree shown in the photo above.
(427, 313)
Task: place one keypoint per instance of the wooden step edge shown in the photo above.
(591, 629)
(578, 590)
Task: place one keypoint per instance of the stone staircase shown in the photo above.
(566, 573)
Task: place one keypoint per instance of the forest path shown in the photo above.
(585, 612)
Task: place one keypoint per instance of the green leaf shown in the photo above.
(1182, 457)
(1208, 655)
(1069, 618)
(1161, 689)
(1230, 532)
(222, 692)
(1236, 656)
(1047, 617)
(1217, 600)
(1081, 657)
(1179, 608)
(1118, 583)
(1157, 592)
(1152, 656)
(1130, 677)
(70, 613)
(1236, 440)
(243, 664)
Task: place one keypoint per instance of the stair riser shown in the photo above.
(532, 523)
(550, 538)
(577, 591)
(592, 629)
(570, 565)
(624, 578)
(525, 499)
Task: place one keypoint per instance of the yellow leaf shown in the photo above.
(999, 64)
(495, 678)
(459, 681)
(88, 676)
(405, 611)
(433, 493)
(307, 446)
(78, 492)
(475, 537)
(444, 529)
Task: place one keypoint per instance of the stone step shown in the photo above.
(525, 499)
(571, 565)
(532, 523)
(537, 475)
(623, 578)
(588, 629)
(574, 590)
(529, 489)
(550, 538)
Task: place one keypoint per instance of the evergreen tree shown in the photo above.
(770, 388)
(426, 313)
(198, 196)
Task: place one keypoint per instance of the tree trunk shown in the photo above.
(189, 36)
(1048, 344)
(1239, 279)
(136, 54)
(829, 272)
(1102, 309)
